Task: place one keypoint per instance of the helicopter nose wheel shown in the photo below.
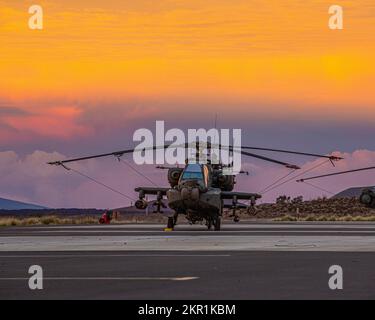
(170, 224)
(172, 221)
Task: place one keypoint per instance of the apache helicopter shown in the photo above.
(367, 196)
(199, 190)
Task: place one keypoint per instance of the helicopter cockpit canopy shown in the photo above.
(196, 172)
(192, 172)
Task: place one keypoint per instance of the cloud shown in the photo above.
(262, 177)
(59, 122)
(13, 111)
(30, 179)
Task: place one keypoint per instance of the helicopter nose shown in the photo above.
(190, 193)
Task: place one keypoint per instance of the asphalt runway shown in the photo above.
(243, 261)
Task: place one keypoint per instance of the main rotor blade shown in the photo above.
(295, 152)
(336, 174)
(257, 156)
(186, 145)
(116, 153)
(288, 165)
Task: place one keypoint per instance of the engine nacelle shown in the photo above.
(141, 204)
(174, 175)
(226, 183)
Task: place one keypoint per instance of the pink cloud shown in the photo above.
(31, 179)
(261, 176)
(59, 122)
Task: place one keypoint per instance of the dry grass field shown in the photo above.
(283, 210)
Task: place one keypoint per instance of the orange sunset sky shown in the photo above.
(101, 67)
(238, 50)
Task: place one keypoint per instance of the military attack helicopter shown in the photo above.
(367, 196)
(200, 191)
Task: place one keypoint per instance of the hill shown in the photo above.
(7, 204)
(354, 192)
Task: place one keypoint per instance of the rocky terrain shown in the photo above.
(308, 210)
(285, 209)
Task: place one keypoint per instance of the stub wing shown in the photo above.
(240, 195)
(229, 205)
(152, 190)
(142, 204)
(235, 196)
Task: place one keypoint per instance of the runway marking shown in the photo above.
(115, 255)
(176, 232)
(296, 228)
(292, 245)
(190, 245)
(108, 278)
(227, 224)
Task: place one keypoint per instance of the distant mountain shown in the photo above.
(7, 204)
(354, 192)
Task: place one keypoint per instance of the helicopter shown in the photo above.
(367, 196)
(200, 191)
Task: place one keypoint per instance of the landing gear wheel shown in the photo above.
(170, 224)
(217, 224)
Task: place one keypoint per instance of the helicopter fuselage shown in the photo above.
(198, 192)
(194, 200)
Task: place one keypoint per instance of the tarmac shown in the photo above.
(243, 261)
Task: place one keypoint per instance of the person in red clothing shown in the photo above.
(106, 217)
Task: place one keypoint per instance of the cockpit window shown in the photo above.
(192, 176)
(192, 172)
